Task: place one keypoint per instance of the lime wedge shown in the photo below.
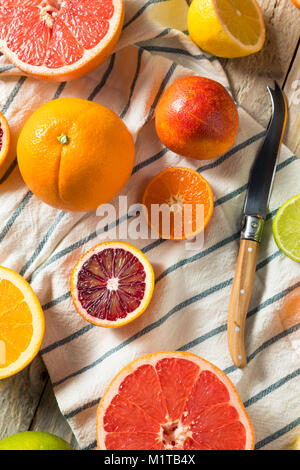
(286, 228)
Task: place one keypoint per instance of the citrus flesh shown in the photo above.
(112, 284)
(286, 228)
(57, 39)
(21, 323)
(227, 28)
(34, 440)
(75, 154)
(4, 139)
(172, 401)
(188, 199)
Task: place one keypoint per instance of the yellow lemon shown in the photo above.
(227, 28)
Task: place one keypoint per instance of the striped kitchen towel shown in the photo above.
(188, 311)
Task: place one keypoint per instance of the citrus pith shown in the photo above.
(59, 40)
(112, 284)
(227, 28)
(22, 323)
(172, 401)
(188, 201)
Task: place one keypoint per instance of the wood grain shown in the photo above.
(292, 92)
(27, 400)
(249, 76)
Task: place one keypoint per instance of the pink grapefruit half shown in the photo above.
(59, 39)
(172, 401)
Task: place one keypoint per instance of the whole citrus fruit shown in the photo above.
(75, 154)
(34, 440)
(196, 117)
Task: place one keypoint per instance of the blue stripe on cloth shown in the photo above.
(138, 67)
(103, 81)
(167, 271)
(277, 434)
(42, 243)
(5, 68)
(15, 215)
(263, 393)
(9, 171)
(152, 326)
(59, 90)
(141, 11)
(259, 396)
(176, 50)
(137, 168)
(161, 89)
(223, 327)
(13, 94)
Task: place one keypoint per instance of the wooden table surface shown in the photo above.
(27, 401)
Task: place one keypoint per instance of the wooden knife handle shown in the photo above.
(239, 300)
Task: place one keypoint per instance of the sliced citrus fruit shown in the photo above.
(112, 284)
(22, 323)
(179, 203)
(227, 28)
(58, 39)
(4, 139)
(286, 228)
(172, 401)
(297, 444)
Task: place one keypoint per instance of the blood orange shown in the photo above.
(112, 284)
(59, 39)
(172, 401)
(4, 139)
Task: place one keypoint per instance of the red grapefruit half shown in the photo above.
(59, 39)
(172, 401)
(112, 284)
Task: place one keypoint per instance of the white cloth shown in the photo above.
(190, 303)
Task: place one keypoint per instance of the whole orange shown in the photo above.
(297, 3)
(75, 154)
(197, 118)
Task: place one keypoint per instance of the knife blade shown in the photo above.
(254, 214)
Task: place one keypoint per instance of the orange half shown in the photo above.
(4, 139)
(22, 323)
(179, 203)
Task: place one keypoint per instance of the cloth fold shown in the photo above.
(189, 308)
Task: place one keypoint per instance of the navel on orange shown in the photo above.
(21, 323)
(186, 200)
(172, 401)
(112, 284)
(75, 154)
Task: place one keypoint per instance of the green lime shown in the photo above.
(34, 440)
(286, 228)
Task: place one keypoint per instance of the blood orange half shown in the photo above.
(59, 39)
(112, 284)
(4, 139)
(172, 401)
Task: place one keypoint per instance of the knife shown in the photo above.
(254, 215)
